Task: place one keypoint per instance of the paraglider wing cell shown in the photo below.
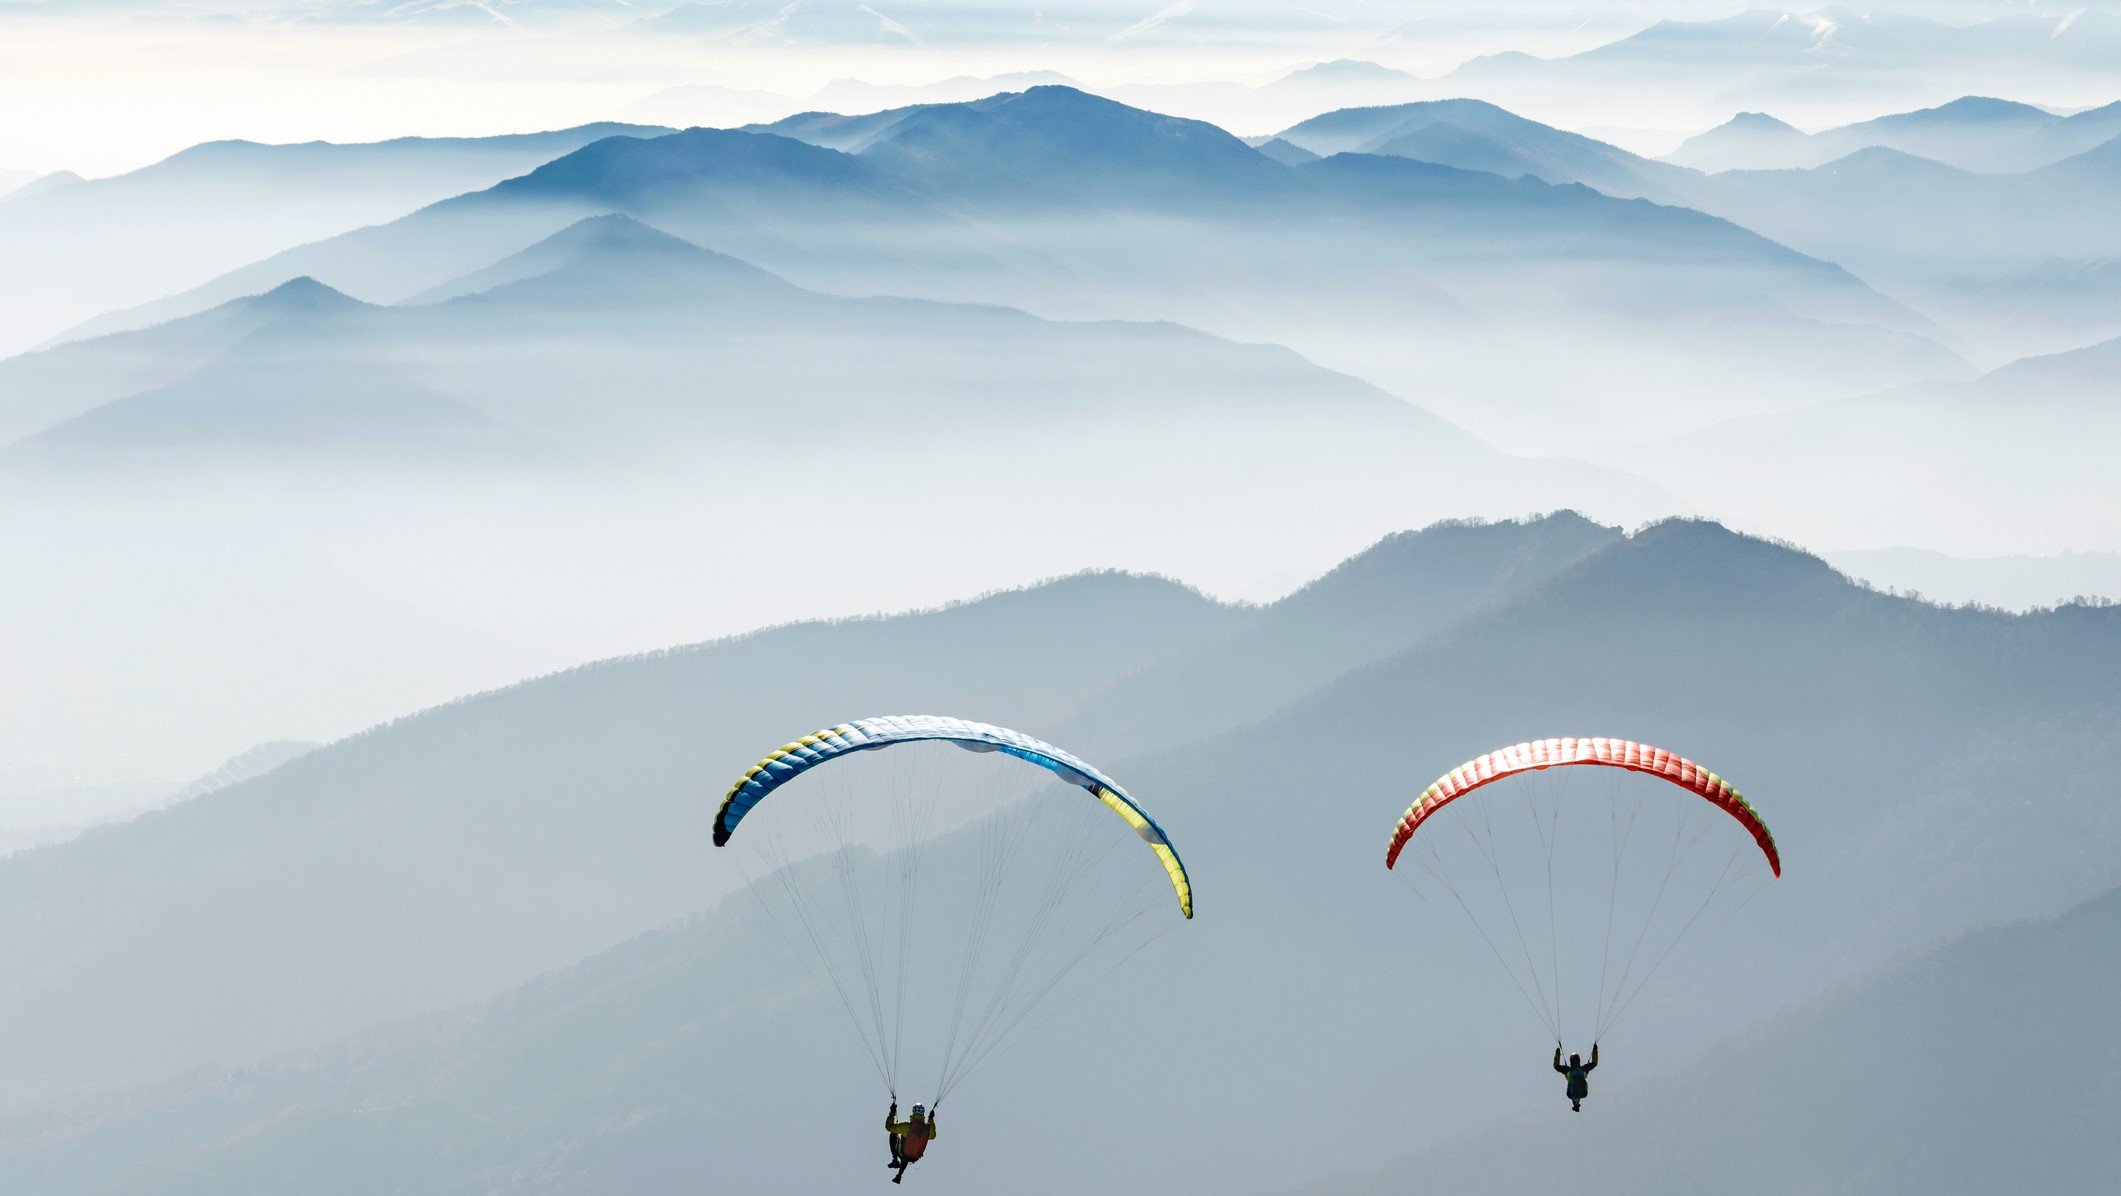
(792, 760)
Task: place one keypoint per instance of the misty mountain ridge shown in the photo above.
(1068, 205)
(1091, 628)
(268, 161)
(1807, 67)
(2054, 306)
(1388, 597)
(257, 400)
(295, 386)
(1094, 149)
(1882, 210)
(2017, 457)
(49, 386)
(300, 300)
(1979, 133)
(30, 819)
(1476, 135)
(1879, 196)
(1866, 197)
(112, 243)
(658, 315)
(1918, 223)
(1883, 163)
(683, 425)
(1863, 1077)
(2081, 377)
(1967, 113)
(1749, 140)
(631, 170)
(613, 265)
(1348, 70)
(1004, 144)
(39, 184)
(2097, 168)
(716, 995)
(617, 260)
(1286, 153)
(763, 198)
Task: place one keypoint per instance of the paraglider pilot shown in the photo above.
(1579, 1074)
(910, 1138)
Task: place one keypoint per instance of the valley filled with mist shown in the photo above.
(443, 447)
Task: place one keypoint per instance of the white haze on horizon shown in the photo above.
(100, 95)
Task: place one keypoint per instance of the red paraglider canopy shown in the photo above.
(1607, 753)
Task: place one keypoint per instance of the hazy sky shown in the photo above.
(99, 94)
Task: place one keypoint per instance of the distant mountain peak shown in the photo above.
(1019, 146)
(622, 168)
(267, 403)
(614, 234)
(2088, 369)
(1287, 153)
(1464, 104)
(1687, 561)
(1760, 122)
(42, 183)
(301, 306)
(2100, 159)
(1385, 569)
(616, 230)
(1477, 135)
(1747, 141)
(1450, 104)
(1059, 110)
(1883, 159)
(1054, 97)
(611, 260)
(1364, 129)
(304, 294)
(209, 150)
(1706, 545)
(1980, 108)
(1347, 70)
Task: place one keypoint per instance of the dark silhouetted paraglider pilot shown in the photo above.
(1579, 1074)
(909, 1138)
